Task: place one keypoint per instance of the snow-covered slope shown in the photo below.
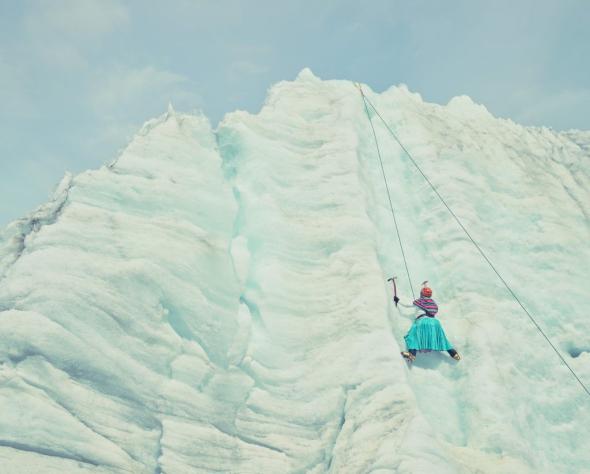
(215, 300)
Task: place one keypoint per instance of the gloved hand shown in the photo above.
(395, 299)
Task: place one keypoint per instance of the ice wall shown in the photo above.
(216, 300)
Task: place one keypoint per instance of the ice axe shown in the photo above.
(392, 279)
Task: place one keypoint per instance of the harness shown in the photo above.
(425, 314)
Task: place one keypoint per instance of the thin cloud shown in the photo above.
(238, 69)
(58, 33)
(75, 18)
(14, 97)
(120, 90)
(559, 106)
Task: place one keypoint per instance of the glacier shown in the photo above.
(215, 300)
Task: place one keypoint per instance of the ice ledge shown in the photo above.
(13, 238)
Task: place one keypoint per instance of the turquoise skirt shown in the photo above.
(426, 334)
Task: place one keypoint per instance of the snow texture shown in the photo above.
(216, 300)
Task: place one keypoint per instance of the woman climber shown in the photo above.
(426, 333)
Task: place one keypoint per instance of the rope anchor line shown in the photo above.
(367, 102)
(399, 238)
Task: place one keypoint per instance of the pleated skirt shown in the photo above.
(427, 334)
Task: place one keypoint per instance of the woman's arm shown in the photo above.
(408, 310)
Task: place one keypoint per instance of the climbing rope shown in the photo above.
(365, 101)
(388, 193)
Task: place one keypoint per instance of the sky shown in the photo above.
(79, 77)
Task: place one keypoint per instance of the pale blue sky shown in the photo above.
(78, 77)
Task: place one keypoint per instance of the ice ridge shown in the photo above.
(215, 300)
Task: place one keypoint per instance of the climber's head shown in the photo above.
(425, 292)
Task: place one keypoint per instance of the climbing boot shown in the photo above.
(454, 354)
(408, 356)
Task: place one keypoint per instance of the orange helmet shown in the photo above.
(426, 292)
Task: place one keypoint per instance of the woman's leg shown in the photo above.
(454, 354)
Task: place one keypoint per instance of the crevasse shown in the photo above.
(216, 300)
